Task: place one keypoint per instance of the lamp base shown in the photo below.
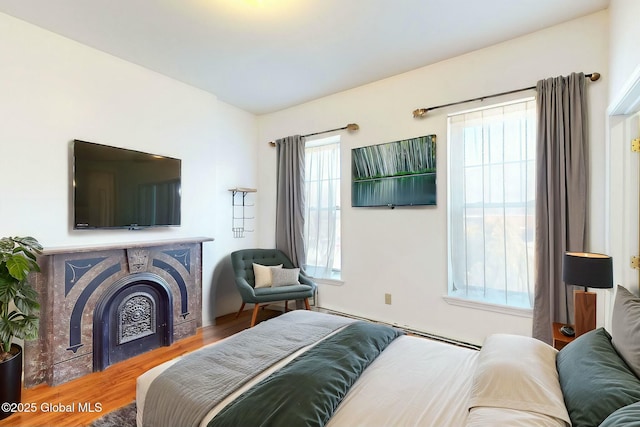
(584, 311)
(567, 331)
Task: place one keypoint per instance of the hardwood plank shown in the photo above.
(72, 403)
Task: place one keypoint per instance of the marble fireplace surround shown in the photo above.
(76, 280)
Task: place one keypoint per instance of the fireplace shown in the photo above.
(104, 304)
(132, 317)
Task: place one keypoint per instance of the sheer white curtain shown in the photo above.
(322, 210)
(492, 204)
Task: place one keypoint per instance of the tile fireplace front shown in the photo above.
(103, 304)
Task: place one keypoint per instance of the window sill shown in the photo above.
(332, 282)
(496, 308)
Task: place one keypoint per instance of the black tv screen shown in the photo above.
(399, 173)
(119, 188)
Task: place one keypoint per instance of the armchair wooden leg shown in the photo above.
(254, 316)
(306, 304)
(286, 306)
(240, 311)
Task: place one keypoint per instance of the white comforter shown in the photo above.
(414, 382)
(419, 382)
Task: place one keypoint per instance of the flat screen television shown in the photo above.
(398, 173)
(119, 188)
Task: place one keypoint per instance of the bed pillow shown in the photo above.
(625, 333)
(262, 274)
(518, 373)
(629, 416)
(285, 276)
(595, 380)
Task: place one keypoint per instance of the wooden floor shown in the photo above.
(68, 404)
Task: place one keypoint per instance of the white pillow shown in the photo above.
(285, 276)
(517, 372)
(262, 274)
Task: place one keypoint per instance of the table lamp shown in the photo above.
(590, 270)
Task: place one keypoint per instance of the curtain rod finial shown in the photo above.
(420, 112)
(352, 127)
(595, 76)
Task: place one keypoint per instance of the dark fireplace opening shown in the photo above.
(134, 316)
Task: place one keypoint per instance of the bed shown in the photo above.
(310, 368)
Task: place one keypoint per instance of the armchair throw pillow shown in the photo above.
(285, 276)
(263, 276)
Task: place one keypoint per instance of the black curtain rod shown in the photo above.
(351, 127)
(421, 112)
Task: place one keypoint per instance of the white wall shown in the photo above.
(235, 166)
(624, 54)
(403, 251)
(54, 90)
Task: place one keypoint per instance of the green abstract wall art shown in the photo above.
(399, 173)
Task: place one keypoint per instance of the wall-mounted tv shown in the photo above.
(119, 188)
(399, 173)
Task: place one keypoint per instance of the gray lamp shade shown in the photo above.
(586, 269)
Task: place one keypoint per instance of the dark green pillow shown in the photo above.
(595, 380)
(629, 416)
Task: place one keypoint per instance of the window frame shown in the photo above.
(464, 300)
(336, 273)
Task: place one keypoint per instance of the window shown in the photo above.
(492, 203)
(322, 210)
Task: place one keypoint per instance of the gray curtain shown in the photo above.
(561, 195)
(290, 198)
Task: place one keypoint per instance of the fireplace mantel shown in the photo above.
(75, 280)
(122, 245)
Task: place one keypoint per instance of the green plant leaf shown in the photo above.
(27, 291)
(8, 290)
(29, 255)
(7, 331)
(25, 305)
(18, 267)
(28, 242)
(6, 245)
(17, 260)
(27, 328)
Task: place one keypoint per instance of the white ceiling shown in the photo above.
(266, 55)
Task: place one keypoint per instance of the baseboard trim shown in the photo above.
(408, 330)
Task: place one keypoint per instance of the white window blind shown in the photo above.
(322, 210)
(492, 204)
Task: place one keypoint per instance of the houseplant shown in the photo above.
(18, 311)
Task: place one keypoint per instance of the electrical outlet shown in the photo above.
(387, 299)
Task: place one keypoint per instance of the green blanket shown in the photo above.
(307, 391)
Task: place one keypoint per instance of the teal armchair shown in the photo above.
(242, 262)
